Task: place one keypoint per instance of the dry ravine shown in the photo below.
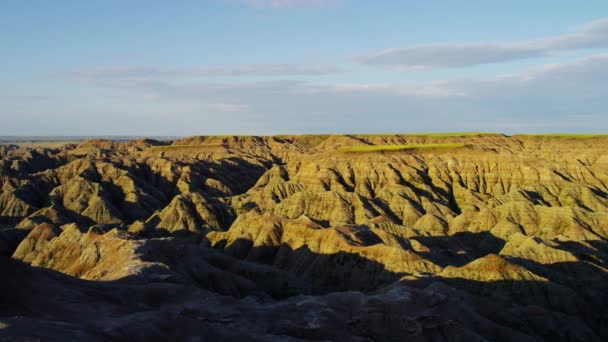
(463, 237)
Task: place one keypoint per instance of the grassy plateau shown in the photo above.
(388, 148)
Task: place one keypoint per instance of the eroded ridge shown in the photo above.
(440, 237)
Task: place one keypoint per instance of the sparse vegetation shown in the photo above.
(163, 147)
(434, 135)
(563, 135)
(306, 140)
(394, 148)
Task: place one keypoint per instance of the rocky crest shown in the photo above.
(290, 237)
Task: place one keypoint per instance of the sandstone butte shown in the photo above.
(487, 238)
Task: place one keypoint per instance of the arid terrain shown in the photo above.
(445, 237)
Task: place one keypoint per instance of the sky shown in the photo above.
(160, 68)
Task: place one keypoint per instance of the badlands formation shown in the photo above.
(462, 237)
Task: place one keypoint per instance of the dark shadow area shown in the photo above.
(546, 310)
(184, 266)
(574, 288)
(10, 221)
(535, 197)
(22, 165)
(340, 179)
(346, 271)
(10, 239)
(186, 300)
(599, 192)
(598, 254)
(42, 304)
(562, 176)
(460, 248)
(446, 198)
(359, 139)
(72, 216)
(386, 208)
(322, 273)
(154, 179)
(237, 174)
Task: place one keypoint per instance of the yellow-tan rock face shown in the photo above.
(521, 220)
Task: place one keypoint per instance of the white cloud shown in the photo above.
(430, 89)
(566, 96)
(456, 55)
(433, 56)
(582, 73)
(593, 34)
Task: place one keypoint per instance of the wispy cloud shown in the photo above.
(581, 72)
(283, 98)
(559, 97)
(137, 72)
(423, 57)
(593, 34)
(548, 95)
(457, 55)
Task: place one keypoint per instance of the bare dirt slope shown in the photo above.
(485, 237)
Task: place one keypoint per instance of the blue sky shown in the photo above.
(302, 66)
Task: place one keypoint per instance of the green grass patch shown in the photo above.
(563, 135)
(394, 148)
(434, 135)
(169, 147)
(306, 140)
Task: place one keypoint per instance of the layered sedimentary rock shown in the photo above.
(499, 238)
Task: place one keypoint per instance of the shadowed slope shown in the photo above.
(518, 220)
